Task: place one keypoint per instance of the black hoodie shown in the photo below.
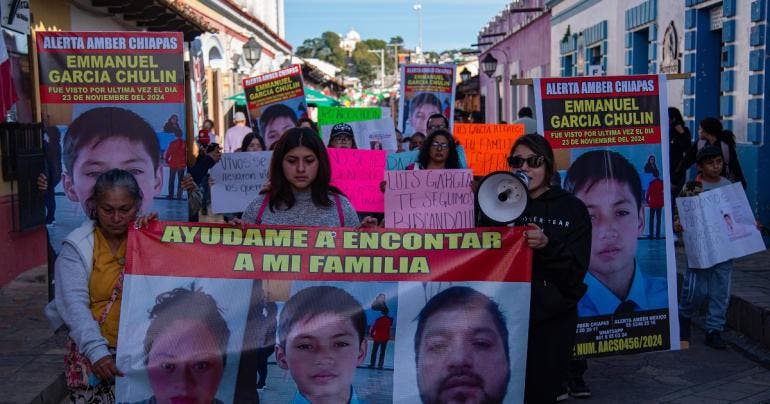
(563, 262)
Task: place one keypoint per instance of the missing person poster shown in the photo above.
(609, 136)
(217, 313)
(425, 90)
(718, 226)
(275, 102)
(112, 100)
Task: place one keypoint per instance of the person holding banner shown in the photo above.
(559, 231)
(252, 142)
(438, 152)
(89, 286)
(416, 141)
(300, 192)
(234, 136)
(711, 132)
(342, 137)
(436, 122)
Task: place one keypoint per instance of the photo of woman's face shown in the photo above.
(185, 364)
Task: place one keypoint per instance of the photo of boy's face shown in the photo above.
(616, 223)
(275, 129)
(98, 157)
(711, 167)
(185, 364)
(322, 353)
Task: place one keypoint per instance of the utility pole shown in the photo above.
(382, 65)
(396, 47)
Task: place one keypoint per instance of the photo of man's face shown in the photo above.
(616, 223)
(97, 157)
(461, 358)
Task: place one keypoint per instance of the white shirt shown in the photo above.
(234, 137)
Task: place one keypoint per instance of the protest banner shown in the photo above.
(487, 145)
(275, 101)
(606, 131)
(377, 134)
(425, 90)
(399, 161)
(429, 199)
(358, 174)
(335, 115)
(238, 178)
(204, 279)
(117, 100)
(718, 226)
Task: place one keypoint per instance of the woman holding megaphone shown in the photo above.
(559, 232)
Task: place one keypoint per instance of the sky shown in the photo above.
(446, 24)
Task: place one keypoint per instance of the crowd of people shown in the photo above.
(569, 226)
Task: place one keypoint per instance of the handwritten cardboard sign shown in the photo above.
(429, 199)
(238, 178)
(487, 145)
(718, 226)
(358, 173)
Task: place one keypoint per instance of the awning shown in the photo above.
(311, 97)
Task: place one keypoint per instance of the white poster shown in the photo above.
(238, 178)
(718, 226)
(376, 134)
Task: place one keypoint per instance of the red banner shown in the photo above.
(110, 67)
(329, 254)
(600, 111)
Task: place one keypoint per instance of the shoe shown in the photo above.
(563, 394)
(577, 388)
(714, 340)
(261, 388)
(684, 329)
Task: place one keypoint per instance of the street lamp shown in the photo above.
(465, 75)
(489, 65)
(252, 51)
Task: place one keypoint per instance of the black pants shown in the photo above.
(262, 355)
(175, 175)
(378, 346)
(655, 224)
(50, 205)
(548, 355)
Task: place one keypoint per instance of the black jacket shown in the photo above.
(558, 268)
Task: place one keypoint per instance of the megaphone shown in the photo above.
(502, 196)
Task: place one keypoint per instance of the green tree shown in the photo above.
(326, 48)
(364, 63)
(396, 40)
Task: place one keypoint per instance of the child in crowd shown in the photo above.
(321, 342)
(654, 200)
(714, 282)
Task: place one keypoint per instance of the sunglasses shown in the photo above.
(437, 127)
(532, 161)
(439, 146)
